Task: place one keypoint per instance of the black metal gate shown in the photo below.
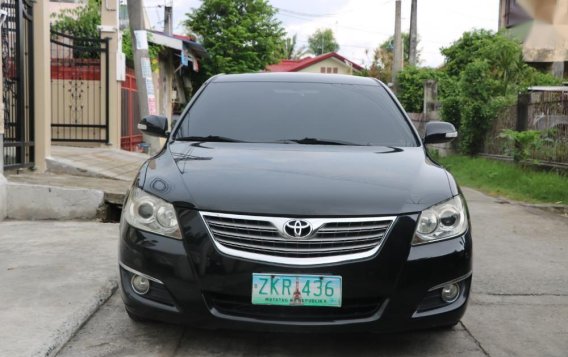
(18, 81)
(79, 89)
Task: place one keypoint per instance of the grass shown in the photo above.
(507, 179)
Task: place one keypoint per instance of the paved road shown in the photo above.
(519, 306)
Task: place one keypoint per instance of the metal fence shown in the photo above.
(131, 136)
(544, 110)
(18, 81)
(506, 119)
(79, 89)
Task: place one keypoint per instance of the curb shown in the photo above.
(559, 209)
(67, 167)
(40, 202)
(548, 207)
(68, 329)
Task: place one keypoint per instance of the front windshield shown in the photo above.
(300, 112)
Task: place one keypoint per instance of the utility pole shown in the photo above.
(166, 67)
(412, 52)
(142, 67)
(397, 58)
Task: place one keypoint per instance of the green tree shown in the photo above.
(504, 56)
(239, 35)
(484, 73)
(323, 41)
(82, 21)
(291, 49)
(479, 103)
(411, 86)
(388, 47)
(382, 59)
(465, 50)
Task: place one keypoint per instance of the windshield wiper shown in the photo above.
(315, 141)
(209, 138)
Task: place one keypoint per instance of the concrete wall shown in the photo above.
(541, 26)
(342, 68)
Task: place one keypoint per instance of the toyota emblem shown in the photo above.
(298, 228)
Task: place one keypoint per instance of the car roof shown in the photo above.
(296, 78)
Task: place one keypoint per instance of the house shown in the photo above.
(331, 62)
(541, 26)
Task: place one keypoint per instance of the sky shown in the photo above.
(362, 25)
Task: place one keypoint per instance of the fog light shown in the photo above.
(450, 293)
(140, 284)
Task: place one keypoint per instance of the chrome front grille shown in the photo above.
(266, 239)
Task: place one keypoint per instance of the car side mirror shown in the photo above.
(439, 132)
(154, 125)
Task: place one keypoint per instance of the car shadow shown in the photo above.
(420, 343)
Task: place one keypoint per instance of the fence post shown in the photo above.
(522, 115)
(523, 111)
(430, 108)
(42, 86)
(114, 71)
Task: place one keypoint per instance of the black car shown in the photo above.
(295, 202)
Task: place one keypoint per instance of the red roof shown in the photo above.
(296, 65)
(185, 38)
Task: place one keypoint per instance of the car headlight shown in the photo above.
(443, 221)
(150, 213)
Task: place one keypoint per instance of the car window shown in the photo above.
(278, 111)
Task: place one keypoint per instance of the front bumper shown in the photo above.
(197, 285)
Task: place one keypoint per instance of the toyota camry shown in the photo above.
(295, 202)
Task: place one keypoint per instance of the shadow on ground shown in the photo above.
(111, 333)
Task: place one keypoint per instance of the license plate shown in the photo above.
(296, 290)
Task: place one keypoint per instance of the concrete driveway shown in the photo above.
(519, 306)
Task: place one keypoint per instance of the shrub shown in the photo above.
(484, 73)
(411, 86)
(520, 144)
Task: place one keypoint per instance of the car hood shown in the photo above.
(296, 180)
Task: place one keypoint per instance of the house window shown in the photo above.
(329, 70)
